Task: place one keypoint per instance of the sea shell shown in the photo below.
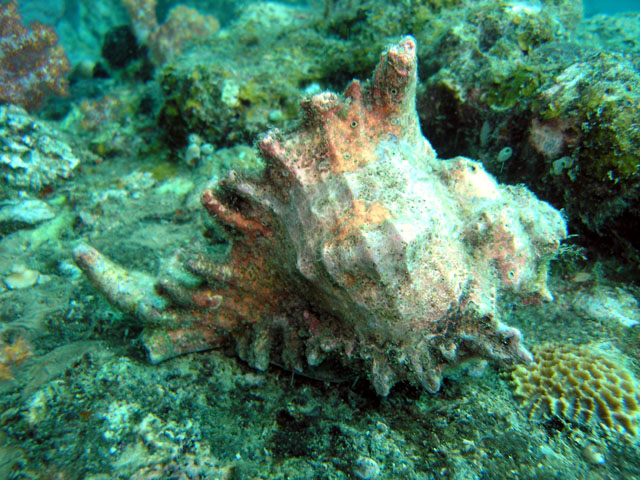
(356, 245)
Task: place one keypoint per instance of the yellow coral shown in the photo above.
(17, 351)
(582, 384)
(5, 372)
(11, 355)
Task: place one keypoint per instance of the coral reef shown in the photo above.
(583, 384)
(618, 33)
(355, 244)
(32, 65)
(592, 110)
(32, 155)
(562, 94)
(217, 91)
(182, 25)
(80, 26)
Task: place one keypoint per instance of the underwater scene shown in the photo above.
(355, 240)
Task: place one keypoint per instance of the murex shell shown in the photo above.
(355, 244)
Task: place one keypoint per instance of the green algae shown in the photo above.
(508, 92)
(164, 171)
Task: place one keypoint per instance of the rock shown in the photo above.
(21, 277)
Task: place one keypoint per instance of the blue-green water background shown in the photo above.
(593, 7)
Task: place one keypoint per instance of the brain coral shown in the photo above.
(582, 384)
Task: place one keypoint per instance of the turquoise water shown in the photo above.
(593, 7)
(213, 268)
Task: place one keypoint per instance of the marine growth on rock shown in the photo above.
(356, 247)
(32, 154)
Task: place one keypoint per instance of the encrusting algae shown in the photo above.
(13, 354)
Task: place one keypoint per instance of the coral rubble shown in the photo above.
(560, 92)
(32, 154)
(355, 244)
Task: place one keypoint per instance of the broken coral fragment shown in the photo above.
(32, 154)
(355, 244)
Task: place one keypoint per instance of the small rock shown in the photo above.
(69, 269)
(32, 154)
(21, 277)
(192, 155)
(366, 468)
(176, 186)
(28, 211)
(276, 116)
(593, 455)
(608, 304)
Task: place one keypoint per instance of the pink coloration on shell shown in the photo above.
(356, 244)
